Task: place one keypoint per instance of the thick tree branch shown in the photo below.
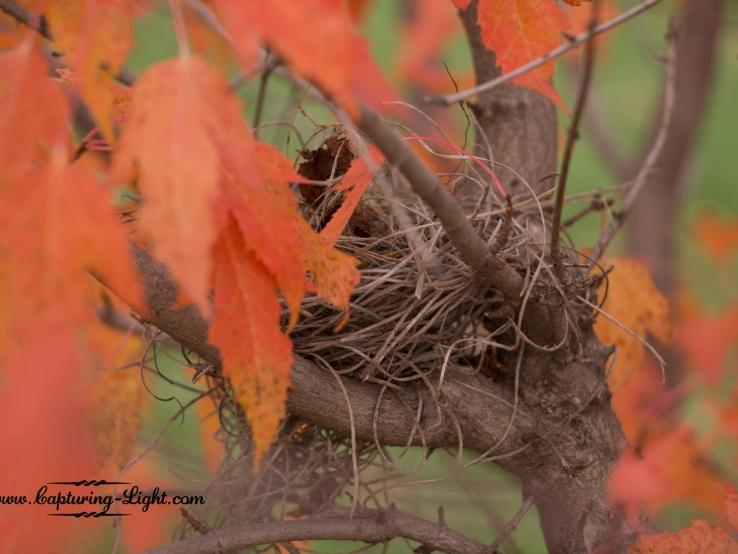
(371, 526)
(471, 402)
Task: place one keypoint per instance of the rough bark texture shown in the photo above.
(519, 124)
(651, 234)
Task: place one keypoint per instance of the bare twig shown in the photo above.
(571, 139)
(512, 524)
(372, 526)
(653, 156)
(574, 42)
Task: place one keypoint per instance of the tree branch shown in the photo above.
(389, 417)
(651, 161)
(372, 526)
(571, 139)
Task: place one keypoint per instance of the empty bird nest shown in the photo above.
(417, 311)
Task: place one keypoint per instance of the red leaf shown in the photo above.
(257, 357)
(184, 127)
(90, 33)
(316, 37)
(353, 185)
(519, 31)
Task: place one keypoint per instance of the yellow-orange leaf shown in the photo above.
(633, 300)
(257, 356)
(114, 403)
(91, 33)
(519, 31)
(700, 537)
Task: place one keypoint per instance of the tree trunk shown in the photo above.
(566, 391)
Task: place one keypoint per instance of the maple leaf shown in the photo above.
(184, 130)
(671, 467)
(342, 66)
(519, 31)
(433, 25)
(114, 403)
(257, 356)
(698, 537)
(633, 300)
(353, 185)
(707, 340)
(33, 110)
(91, 33)
(719, 238)
(333, 274)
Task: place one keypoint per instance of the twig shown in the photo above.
(571, 139)
(269, 67)
(653, 156)
(512, 524)
(574, 42)
(372, 526)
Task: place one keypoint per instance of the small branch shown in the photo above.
(425, 184)
(512, 524)
(371, 526)
(22, 15)
(574, 42)
(571, 139)
(649, 164)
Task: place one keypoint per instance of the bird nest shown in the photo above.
(416, 311)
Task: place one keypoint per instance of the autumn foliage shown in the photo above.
(218, 207)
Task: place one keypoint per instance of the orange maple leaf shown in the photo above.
(671, 467)
(316, 37)
(353, 185)
(91, 33)
(257, 356)
(633, 300)
(719, 238)
(184, 129)
(699, 537)
(519, 31)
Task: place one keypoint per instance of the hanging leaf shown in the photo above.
(297, 31)
(257, 356)
(91, 35)
(633, 301)
(520, 31)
